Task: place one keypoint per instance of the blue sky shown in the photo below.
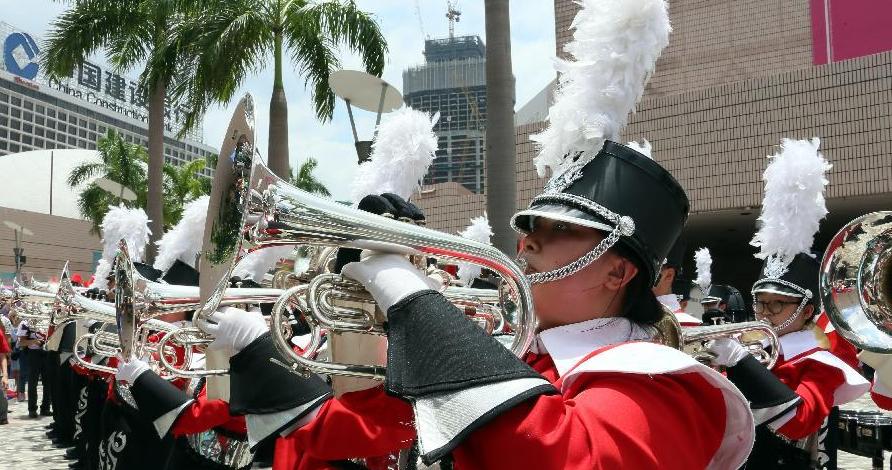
(405, 24)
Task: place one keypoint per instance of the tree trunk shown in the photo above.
(278, 119)
(155, 197)
(501, 189)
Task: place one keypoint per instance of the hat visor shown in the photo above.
(523, 221)
(710, 299)
(768, 287)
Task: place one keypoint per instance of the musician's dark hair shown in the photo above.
(641, 305)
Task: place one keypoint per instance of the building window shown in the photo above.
(41, 109)
(92, 126)
(16, 101)
(83, 123)
(38, 142)
(4, 121)
(27, 139)
(60, 137)
(39, 120)
(29, 105)
(38, 131)
(3, 144)
(15, 124)
(72, 141)
(4, 97)
(27, 128)
(102, 130)
(62, 116)
(61, 126)
(50, 135)
(72, 120)
(91, 146)
(15, 112)
(51, 112)
(13, 147)
(82, 133)
(72, 130)
(4, 133)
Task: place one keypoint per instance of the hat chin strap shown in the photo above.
(572, 268)
(789, 321)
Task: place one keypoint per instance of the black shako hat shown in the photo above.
(619, 189)
(681, 287)
(798, 279)
(675, 258)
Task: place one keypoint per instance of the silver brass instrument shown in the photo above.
(756, 337)
(253, 209)
(855, 282)
(139, 301)
(69, 305)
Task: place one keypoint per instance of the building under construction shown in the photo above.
(452, 81)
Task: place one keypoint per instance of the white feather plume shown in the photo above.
(183, 242)
(615, 47)
(644, 148)
(479, 231)
(401, 154)
(703, 262)
(129, 224)
(258, 262)
(794, 200)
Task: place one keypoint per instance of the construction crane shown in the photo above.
(454, 15)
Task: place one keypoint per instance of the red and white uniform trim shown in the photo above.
(819, 377)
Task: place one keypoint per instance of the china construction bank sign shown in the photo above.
(89, 81)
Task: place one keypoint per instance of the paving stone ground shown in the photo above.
(23, 444)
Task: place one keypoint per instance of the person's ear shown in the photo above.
(808, 311)
(620, 273)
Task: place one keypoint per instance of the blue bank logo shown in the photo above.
(20, 54)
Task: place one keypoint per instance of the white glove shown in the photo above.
(388, 277)
(728, 351)
(129, 371)
(234, 329)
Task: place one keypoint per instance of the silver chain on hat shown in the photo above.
(622, 226)
(806, 296)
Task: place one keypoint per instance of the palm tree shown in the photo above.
(305, 180)
(231, 38)
(121, 162)
(501, 188)
(129, 30)
(182, 185)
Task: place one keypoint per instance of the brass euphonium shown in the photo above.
(69, 305)
(139, 302)
(255, 210)
(855, 282)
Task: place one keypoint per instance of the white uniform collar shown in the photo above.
(798, 342)
(670, 301)
(568, 344)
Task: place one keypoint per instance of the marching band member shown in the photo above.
(786, 295)
(665, 288)
(207, 436)
(576, 386)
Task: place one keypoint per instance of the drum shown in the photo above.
(865, 433)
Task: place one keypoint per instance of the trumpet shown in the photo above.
(757, 337)
(253, 209)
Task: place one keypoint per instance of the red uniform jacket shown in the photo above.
(631, 405)
(820, 378)
(203, 414)
(839, 346)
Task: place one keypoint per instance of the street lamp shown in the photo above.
(18, 251)
(366, 92)
(124, 193)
